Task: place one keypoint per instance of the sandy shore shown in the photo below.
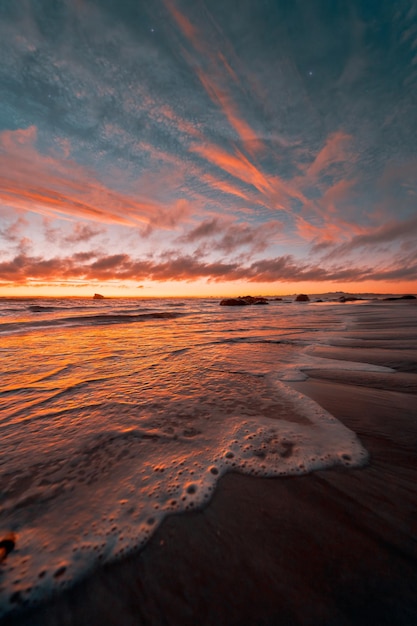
(333, 548)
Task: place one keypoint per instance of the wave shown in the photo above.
(86, 320)
(36, 308)
(8, 310)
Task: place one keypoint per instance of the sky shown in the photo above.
(204, 147)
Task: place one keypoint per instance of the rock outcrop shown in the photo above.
(233, 302)
(406, 297)
(243, 301)
(348, 299)
(302, 297)
(98, 296)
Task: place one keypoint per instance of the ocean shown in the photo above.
(118, 412)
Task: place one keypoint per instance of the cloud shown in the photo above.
(215, 82)
(227, 236)
(78, 233)
(219, 184)
(54, 187)
(13, 232)
(393, 231)
(24, 269)
(236, 165)
(256, 238)
(82, 233)
(337, 149)
(207, 228)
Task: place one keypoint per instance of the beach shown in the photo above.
(333, 547)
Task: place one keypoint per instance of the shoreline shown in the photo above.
(335, 547)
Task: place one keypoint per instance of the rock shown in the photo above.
(302, 297)
(244, 301)
(248, 299)
(406, 297)
(254, 299)
(98, 296)
(234, 302)
(348, 299)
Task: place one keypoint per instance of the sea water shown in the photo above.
(115, 413)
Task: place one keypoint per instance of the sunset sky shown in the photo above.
(190, 147)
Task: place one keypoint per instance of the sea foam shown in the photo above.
(106, 432)
(97, 502)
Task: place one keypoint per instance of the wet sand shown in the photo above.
(337, 547)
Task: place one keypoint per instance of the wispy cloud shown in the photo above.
(216, 78)
(53, 186)
(228, 236)
(395, 231)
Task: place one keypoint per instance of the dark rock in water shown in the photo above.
(302, 297)
(254, 299)
(348, 299)
(243, 301)
(234, 302)
(406, 297)
(247, 299)
(98, 296)
(276, 299)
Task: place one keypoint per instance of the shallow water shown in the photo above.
(115, 413)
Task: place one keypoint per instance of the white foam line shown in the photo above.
(295, 372)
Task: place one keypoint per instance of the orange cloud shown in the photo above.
(182, 125)
(331, 226)
(225, 187)
(338, 194)
(237, 165)
(324, 233)
(224, 100)
(335, 150)
(276, 194)
(33, 181)
(229, 69)
(185, 25)
(216, 83)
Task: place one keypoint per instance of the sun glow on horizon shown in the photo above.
(203, 290)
